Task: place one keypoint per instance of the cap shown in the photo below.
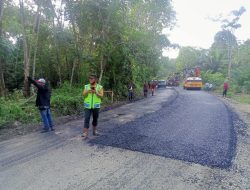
(41, 80)
(93, 75)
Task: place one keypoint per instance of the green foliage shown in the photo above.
(242, 98)
(188, 58)
(217, 79)
(67, 100)
(246, 87)
(14, 108)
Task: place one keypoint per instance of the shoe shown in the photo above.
(85, 135)
(95, 133)
(52, 129)
(44, 131)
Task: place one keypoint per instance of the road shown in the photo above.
(174, 140)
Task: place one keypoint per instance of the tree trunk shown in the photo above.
(229, 62)
(57, 55)
(229, 53)
(26, 89)
(2, 82)
(72, 72)
(36, 28)
(79, 56)
(56, 40)
(102, 67)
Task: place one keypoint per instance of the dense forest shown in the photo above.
(119, 40)
(65, 40)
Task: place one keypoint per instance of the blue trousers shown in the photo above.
(47, 118)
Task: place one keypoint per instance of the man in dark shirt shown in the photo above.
(43, 102)
(130, 91)
(145, 89)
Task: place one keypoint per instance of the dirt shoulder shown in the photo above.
(243, 110)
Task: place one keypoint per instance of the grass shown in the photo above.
(242, 98)
(13, 109)
(64, 101)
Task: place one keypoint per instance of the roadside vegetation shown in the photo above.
(65, 41)
(66, 100)
(228, 59)
(242, 98)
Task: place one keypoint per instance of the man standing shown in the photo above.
(225, 88)
(153, 87)
(130, 91)
(145, 89)
(43, 103)
(92, 103)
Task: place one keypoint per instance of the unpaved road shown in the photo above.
(174, 140)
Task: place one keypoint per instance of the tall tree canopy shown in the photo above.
(65, 40)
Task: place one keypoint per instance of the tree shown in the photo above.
(118, 40)
(188, 58)
(26, 89)
(231, 26)
(219, 51)
(2, 83)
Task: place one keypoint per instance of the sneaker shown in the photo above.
(52, 129)
(95, 133)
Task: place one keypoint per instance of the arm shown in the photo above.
(85, 91)
(100, 93)
(36, 84)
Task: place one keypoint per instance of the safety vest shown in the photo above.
(92, 100)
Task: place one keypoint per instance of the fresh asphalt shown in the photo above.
(195, 127)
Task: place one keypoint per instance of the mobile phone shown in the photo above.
(92, 88)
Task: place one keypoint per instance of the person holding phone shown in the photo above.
(93, 92)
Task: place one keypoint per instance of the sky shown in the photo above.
(194, 28)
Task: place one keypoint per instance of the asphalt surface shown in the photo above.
(196, 127)
(175, 140)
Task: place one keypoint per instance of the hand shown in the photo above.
(97, 93)
(91, 91)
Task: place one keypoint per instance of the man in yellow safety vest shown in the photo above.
(92, 102)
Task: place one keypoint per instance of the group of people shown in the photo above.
(93, 92)
(147, 87)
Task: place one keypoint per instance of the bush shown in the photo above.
(246, 87)
(17, 110)
(65, 100)
(217, 79)
(67, 104)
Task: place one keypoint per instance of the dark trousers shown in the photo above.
(224, 93)
(87, 115)
(130, 95)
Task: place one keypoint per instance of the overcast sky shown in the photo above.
(194, 28)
